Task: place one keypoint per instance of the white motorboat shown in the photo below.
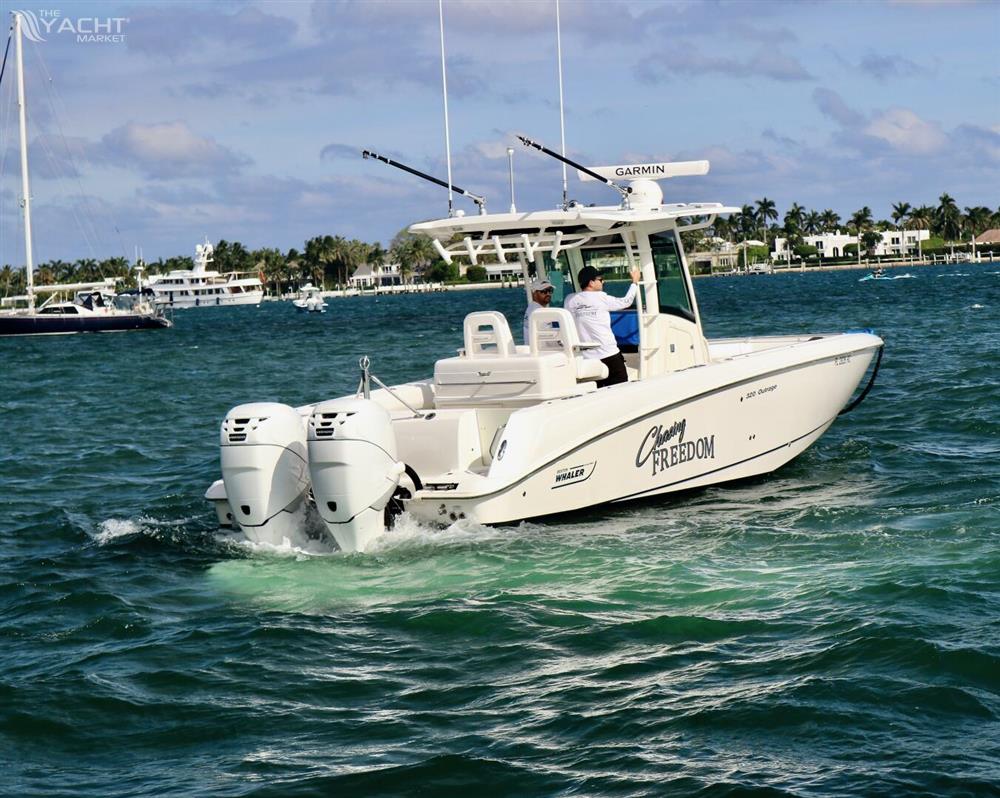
(309, 300)
(501, 432)
(204, 287)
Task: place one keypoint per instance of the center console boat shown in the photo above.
(502, 432)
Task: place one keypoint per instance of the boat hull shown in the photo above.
(39, 324)
(168, 299)
(726, 421)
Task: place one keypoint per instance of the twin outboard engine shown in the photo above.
(264, 469)
(354, 470)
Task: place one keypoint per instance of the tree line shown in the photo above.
(946, 222)
(326, 261)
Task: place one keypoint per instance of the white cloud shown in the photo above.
(905, 131)
(169, 149)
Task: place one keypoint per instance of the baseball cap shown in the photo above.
(541, 285)
(588, 273)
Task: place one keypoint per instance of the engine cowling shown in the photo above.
(353, 466)
(264, 469)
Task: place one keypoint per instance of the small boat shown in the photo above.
(309, 300)
(70, 308)
(503, 432)
(879, 274)
(204, 287)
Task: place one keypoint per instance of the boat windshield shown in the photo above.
(670, 283)
(608, 254)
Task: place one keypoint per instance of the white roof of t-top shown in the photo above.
(598, 219)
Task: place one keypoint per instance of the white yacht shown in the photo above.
(309, 300)
(204, 287)
(500, 432)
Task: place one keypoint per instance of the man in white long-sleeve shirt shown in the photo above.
(591, 308)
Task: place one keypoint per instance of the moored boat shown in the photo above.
(205, 287)
(70, 308)
(309, 300)
(79, 308)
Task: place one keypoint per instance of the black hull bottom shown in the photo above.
(65, 325)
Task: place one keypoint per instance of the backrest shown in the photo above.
(553, 330)
(487, 334)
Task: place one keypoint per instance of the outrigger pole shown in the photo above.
(623, 190)
(480, 201)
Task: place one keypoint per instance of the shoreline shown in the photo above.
(428, 288)
(865, 265)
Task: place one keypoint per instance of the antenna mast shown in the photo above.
(562, 114)
(444, 88)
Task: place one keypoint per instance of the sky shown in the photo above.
(245, 120)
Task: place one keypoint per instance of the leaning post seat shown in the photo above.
(492, 373)
(553, 330)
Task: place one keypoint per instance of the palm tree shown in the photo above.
(271, 264)
(766, 211)
(900, 210)
(870, 239)
(977, 219)
(413, 252)
(723, 228)
(7, 278)
(860, 220)
(831, 220)
(948, 218)
(921, 218)
(812, 224)
(87, 270)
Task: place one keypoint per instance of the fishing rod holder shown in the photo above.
(476, 198)
(623, 190)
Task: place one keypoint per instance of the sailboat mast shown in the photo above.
(25, 187)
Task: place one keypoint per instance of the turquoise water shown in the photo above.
(831, 630)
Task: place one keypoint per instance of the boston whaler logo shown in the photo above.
(666, 447)
(573, 474)
(102, 30)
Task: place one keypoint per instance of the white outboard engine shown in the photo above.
(264, 469)
(352, 462)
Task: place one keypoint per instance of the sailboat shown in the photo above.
(70, 308)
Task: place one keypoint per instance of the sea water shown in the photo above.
(832, 629)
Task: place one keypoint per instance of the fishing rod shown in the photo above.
(623, 190)
(480, 201)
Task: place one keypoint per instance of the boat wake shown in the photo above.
(408, 534)
(906, 276)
